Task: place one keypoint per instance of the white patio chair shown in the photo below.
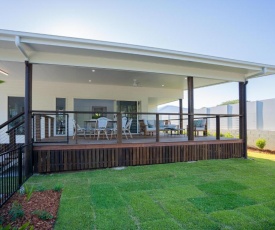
(114, 129)
(77, 130)
(102, 127)
(91, 127)
(127, 128)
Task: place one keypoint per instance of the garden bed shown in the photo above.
(45, 201)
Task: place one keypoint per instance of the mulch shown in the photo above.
(261, 151)
(45, 200)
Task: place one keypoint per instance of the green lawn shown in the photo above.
(213, 194)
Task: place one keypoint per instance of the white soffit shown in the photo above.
(56, 50)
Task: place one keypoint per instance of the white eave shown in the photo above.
(48, 49)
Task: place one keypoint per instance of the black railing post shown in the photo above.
(157, 127)
(119, 128)
(20, 166)
(67, 128)
(218, 127)
(181, 119)
(75, 128)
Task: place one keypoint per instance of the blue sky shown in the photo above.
(237, 29)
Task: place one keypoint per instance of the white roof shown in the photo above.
(121, 62)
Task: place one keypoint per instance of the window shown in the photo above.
(16, 106)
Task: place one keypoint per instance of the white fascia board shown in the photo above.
(69, 42)
(142, 51)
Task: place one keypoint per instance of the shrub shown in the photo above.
(43, 215)
(58, 187)
(16, 211)
(260, 143)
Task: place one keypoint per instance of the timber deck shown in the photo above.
(95, 154)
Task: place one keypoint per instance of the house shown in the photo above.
(61, 76)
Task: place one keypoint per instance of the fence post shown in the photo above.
(20, 166)
(218, 127)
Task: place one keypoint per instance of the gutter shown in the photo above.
(19, 46)
(261, 73)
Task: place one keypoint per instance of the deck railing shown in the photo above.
(53, 127)
(12, 133)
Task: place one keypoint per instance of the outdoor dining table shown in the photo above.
(92, 123)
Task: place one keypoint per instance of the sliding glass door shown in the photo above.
(128, 107)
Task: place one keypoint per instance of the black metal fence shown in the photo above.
(13, 172)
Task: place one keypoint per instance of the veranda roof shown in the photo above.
(120, 63)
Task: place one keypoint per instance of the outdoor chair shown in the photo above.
(102, 127)
(91, 127)
(127, 128)
(147, 126)
(124, 127)
(200, 125)
(77, 130)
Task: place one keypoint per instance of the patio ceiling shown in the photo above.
(64, 59)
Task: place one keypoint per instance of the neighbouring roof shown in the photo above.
(119, 62)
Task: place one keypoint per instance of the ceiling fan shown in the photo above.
(136, 83)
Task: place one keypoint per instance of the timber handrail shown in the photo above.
(11, 120)
(212, 115)
(15, 127)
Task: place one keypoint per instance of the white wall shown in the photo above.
(45, 94)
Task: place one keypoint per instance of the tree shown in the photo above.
(230, 102)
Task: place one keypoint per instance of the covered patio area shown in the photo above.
(72, 80)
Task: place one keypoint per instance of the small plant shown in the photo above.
(25, 226)
(28, 192)
(16, 211)
(58, 188)
(210, 134)
(42, 214)
(260, 143)
(228, 135)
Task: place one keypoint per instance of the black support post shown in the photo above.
(243, 116)
(28, 118)
(190, 108)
